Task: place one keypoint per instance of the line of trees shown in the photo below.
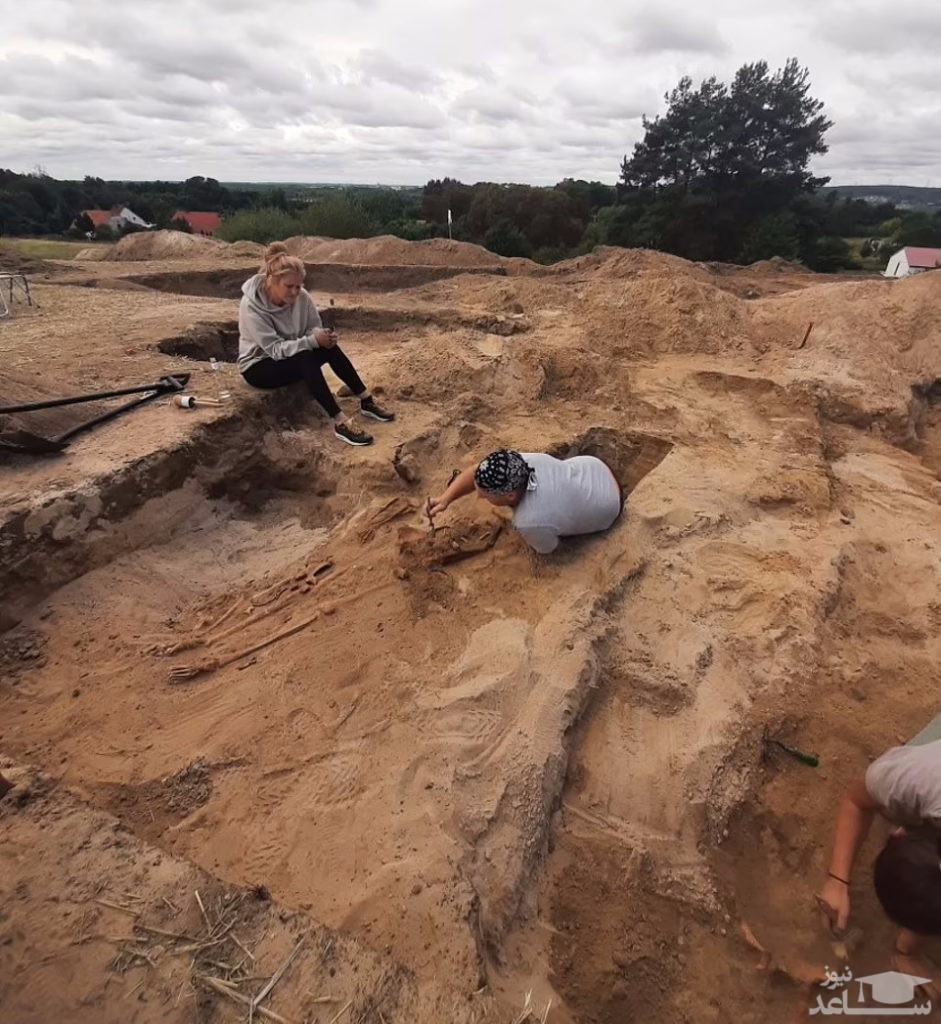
(38, 204)
(723, 174)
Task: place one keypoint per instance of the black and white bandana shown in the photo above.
(503, 472)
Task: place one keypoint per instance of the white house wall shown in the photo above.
(130, 217)
(898, 266)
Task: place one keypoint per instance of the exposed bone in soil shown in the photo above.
(463, 771)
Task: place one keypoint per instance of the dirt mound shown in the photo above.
(389, 250)
(13, 262)
(767, 277)
(776, 265)
(156, 245)
(872, 327)
(654, 312)
(243, 248)
(608, 261)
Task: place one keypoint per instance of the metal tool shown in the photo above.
(26, 442)
(811, 760)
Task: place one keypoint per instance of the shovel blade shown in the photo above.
(28, 443)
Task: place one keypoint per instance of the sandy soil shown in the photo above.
(477, 773)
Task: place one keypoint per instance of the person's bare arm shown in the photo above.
(460, 486)
(852, 826)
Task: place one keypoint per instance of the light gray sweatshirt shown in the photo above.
(267, 331)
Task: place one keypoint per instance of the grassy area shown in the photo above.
(45, 248)
(874, 264)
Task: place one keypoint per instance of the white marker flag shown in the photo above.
(449, 216)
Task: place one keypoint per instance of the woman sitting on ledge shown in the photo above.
(282, 341)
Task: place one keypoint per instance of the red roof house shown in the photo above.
(99, 218)
(118, 217)
(922, 258)
(201, 223)
(913, 259)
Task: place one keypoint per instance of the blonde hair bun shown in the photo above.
(278, 262)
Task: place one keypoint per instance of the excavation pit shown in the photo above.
(321, 277)
(631, 456)
(205, 341)
(234, 466)
(220, 341)
(511, 771)
(256, 656)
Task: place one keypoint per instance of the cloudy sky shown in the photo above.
(400, 91)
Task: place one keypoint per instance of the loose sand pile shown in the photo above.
(608, 261)
(389, 250)
(492, 772)
(13, 262)
(155, 245)
(244, 248)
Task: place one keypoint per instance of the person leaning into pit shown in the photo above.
(903, 786)
(282, 341)
(551, 498)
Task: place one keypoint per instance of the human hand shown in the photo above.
(435, 506)
(834, 903)
(324, 337)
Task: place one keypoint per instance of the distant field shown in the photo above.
(875, 264)
(46, 248)
(910, 196)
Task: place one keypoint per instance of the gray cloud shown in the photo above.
(489, 104)
(873, 29)
(598, 97)
(359, 90)
(657, 29)
(378, 66)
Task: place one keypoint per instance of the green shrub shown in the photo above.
(771, 236)
(831, 254)
(505, 239)
(551, 254)
(411, 230)
(268, 224)
(337, 216)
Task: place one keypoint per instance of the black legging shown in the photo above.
(305, 366)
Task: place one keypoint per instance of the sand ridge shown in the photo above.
(502, 772)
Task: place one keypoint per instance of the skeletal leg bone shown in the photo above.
(205, 640)
(184, 672)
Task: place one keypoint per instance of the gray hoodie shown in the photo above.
(267, 331)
